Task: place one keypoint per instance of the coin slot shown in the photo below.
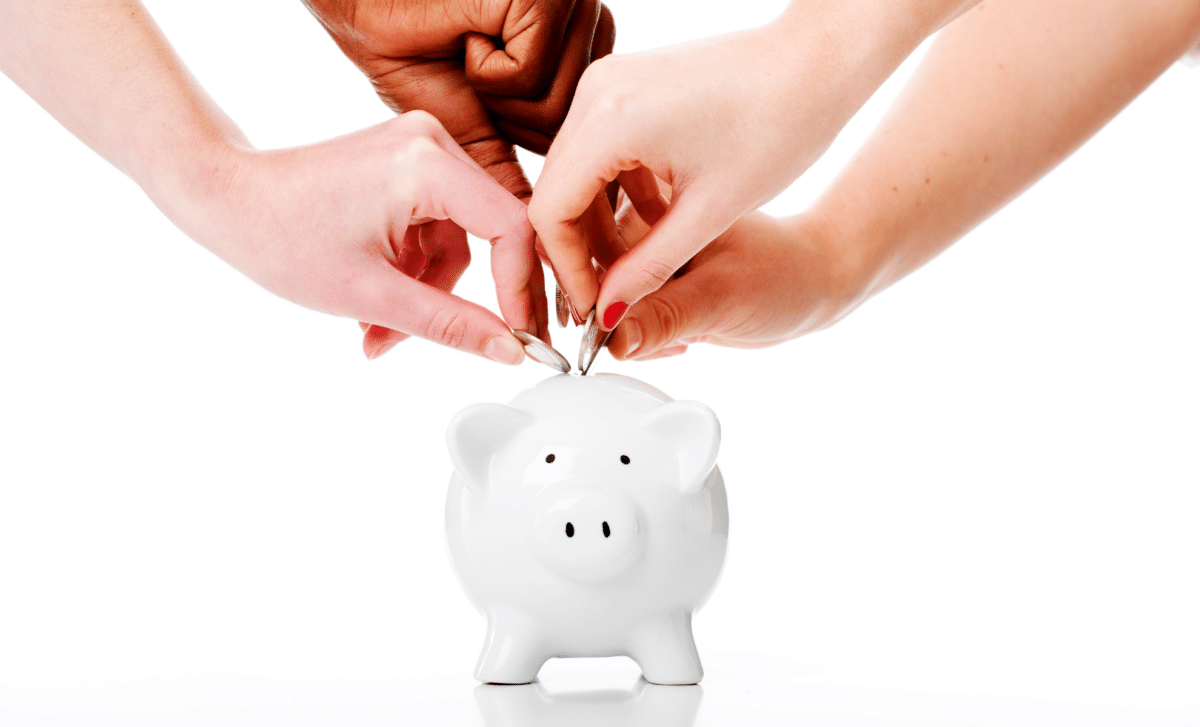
(549, 458)
(624, 459)
(571, 530)
(607, 532)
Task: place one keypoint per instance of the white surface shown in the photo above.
(740, 690)
(984, 484)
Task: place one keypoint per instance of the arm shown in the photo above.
(328, 226)
(728, 122)
(1005, 93)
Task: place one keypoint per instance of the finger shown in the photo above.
(641, 188)
(546, 112)
(520, 290)
(683, 231)
(601, 224)
(378, 340)
(423, 122)
(664, 353)
(525, 61)
(460, 192)
(535, 141)
(385, 297)
(686, 308)
(444, 248)
(605, 36)
(566, 190)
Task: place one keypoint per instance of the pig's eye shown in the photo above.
(549, 458)
(607, 532)
(624, 459)
(570, 530)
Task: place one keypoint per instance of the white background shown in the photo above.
(981, 489)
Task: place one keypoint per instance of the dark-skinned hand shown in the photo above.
(494, 72)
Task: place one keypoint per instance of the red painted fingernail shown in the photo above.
(613, 314)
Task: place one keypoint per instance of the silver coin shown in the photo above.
(560, 307)
(542, 352)
(593, 340)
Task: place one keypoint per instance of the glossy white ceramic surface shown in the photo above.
(642, 705)
(587, 518)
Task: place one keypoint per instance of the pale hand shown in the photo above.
(763, 282)
(372, 226)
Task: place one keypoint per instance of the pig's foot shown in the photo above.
(665, 650)
(512, 651)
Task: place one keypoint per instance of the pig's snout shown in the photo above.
(586, 532)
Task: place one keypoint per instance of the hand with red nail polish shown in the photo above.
(762, 282)
(494, 72)
(983, 117)
(729, 122)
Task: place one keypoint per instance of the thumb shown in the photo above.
(386, 297)
(682, 311)
(684, 230)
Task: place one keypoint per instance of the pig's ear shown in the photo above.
(695, 436)
(477, 433)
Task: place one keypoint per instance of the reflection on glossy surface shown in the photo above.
(532, 705)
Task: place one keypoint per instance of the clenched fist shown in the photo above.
(494, 72)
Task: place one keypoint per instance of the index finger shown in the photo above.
(457, 190)
(566, 213)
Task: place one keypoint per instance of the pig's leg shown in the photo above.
(513, 651)
(665, 650)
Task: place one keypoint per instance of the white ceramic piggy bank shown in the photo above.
(587, 518)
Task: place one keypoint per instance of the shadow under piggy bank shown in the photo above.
(530, 705)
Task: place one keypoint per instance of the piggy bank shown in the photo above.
(587, 518)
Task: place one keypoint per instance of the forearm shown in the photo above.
(104, 70)
(862, 42)
(1005, 93)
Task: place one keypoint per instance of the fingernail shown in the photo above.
(613, 314)
(381, 350)
(633, 337)
(505, 350)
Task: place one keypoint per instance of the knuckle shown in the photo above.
(652, 274)
(421, 148)
(598, 75)
(448, 328)
(669, 319)
(616, 103)
(537, 213)
(421, 122)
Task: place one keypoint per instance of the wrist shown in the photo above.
(857, 43)
(195, 186)
(853, 270)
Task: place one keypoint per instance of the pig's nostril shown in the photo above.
(571, 530)
(607, 532)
